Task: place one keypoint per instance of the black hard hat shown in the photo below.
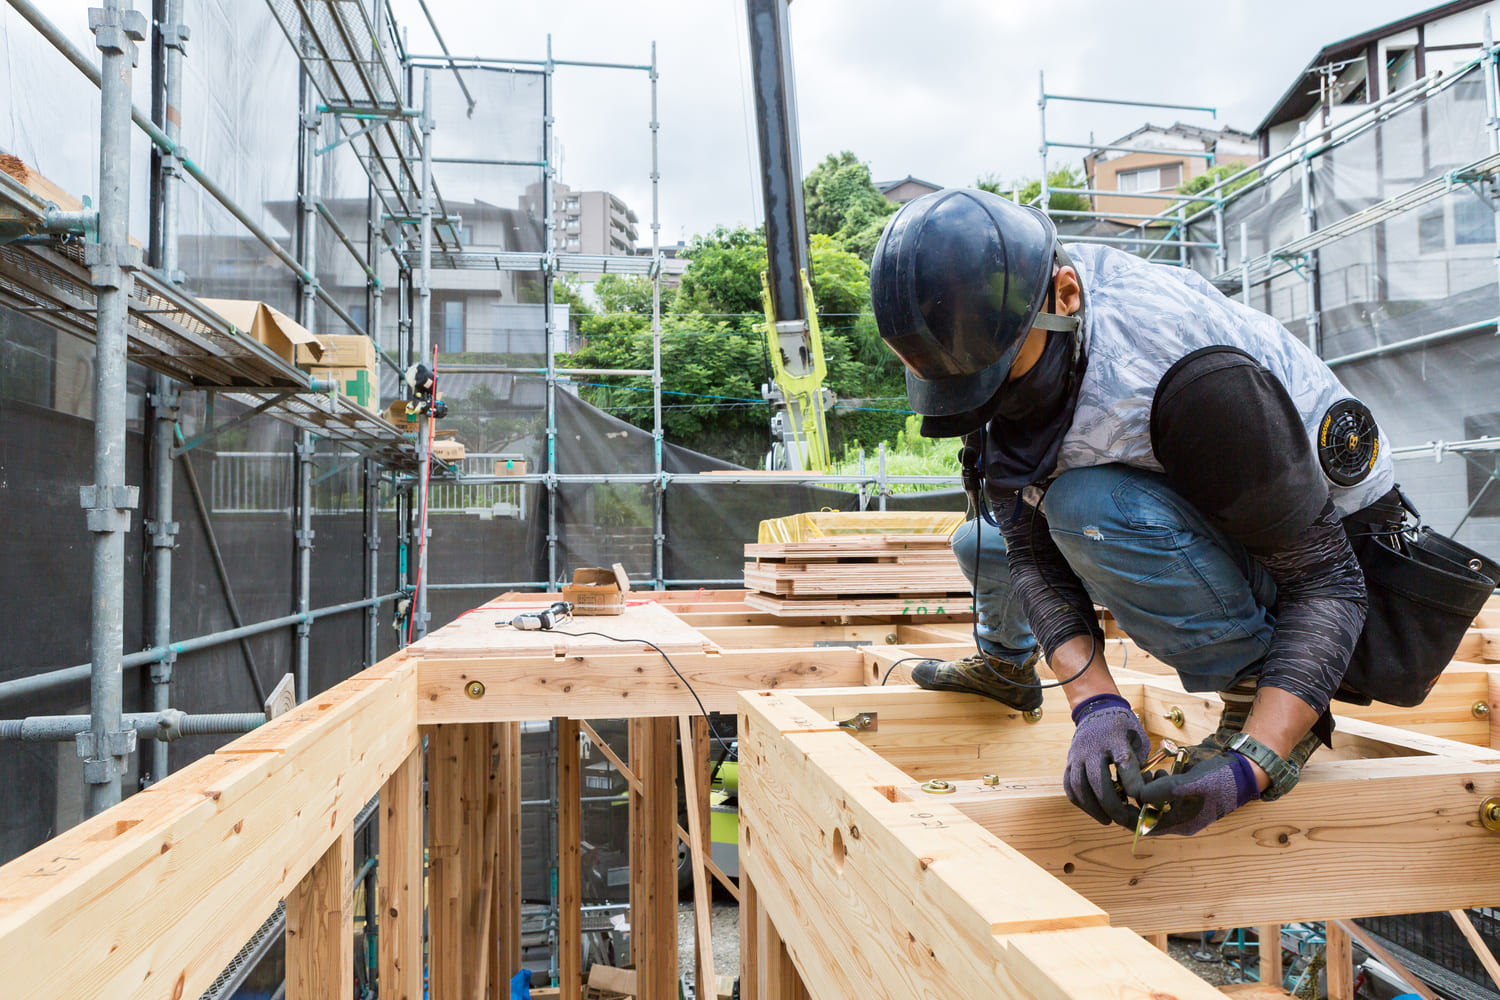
(957, 280)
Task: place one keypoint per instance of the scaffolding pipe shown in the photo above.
(107, 503)
(1492, 107)
(1134, 104)
(165, 726)
(432, 23)
(659, 509)
(306, 175)
(52, 679)
(161, 529)
(49, 31)
(1245, 263)
(1424, 340)
(372, 561)
(548, 223)
(424, 350)
(1041, 103)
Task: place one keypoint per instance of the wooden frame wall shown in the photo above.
(155, 896)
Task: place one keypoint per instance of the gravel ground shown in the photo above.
(726, 935)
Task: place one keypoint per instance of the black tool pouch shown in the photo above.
(1424, 591)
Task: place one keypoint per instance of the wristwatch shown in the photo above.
(1283, 773)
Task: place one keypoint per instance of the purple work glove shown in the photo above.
(1108, 733)
(1207, 792)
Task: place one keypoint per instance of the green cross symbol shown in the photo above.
(358, 388)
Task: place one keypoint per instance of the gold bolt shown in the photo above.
(1035, 715)
(890, 638)
(937, 786)
(1481, 709)
(1176, 718)
(474, 689)
(1489, 813)
(991, 779)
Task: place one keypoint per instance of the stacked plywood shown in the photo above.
(856, 563)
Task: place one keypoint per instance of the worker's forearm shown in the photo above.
(1278, 719)
(1069, 658)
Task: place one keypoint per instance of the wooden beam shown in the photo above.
(320, 927)
(1271, 972)
(400, 911)
(779, 979)
(653, 856)
(620, 685)
(224, 839)
(877, 897)
(1481, 948)
(697, 810)
(569, 862)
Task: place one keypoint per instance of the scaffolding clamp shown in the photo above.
(175, 36)
(163, 533)
(108, 507)
(116, 31)
(109, 266)
(161, 670)
(99, 768)
(304, 538)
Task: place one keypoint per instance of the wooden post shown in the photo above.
(779, 979)
(695, 791)
(400, 882)
(569, 862)
(457, 777)
(1340, 966)
(1271, 972)
(505, 906)
(320, 927)
(653, 858)
(749, 938)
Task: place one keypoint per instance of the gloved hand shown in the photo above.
(1206, 792)
(1108, 733)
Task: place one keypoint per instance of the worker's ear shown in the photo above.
(1069, 291)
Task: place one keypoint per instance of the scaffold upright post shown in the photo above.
(1310, 263)
(1492, 120)
(308, 313)
(107, 503)
(424, 354)
(549, 258)
(1041, 103)
(1245, 263)
(161, 530)
(659, 519)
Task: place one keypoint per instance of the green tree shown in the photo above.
(1212, 176)
(722, 279)
(1031, 190)
(840, 200)
(621, 294)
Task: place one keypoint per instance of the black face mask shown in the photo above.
(1036, 410)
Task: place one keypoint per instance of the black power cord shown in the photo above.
(647, 642)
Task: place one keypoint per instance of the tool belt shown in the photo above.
(1424, 590)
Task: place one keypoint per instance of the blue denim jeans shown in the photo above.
(1185, 592)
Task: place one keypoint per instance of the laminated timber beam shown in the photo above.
(1000, 887)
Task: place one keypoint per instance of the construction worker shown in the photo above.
(1137, 440)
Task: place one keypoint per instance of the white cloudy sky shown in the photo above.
(943, 89)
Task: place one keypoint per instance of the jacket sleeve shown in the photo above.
(1232, 442)
(1058, 607)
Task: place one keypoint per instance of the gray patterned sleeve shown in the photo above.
(1320, 610)
(1057, 605)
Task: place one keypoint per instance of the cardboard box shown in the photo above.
(342, 350)
(598, 591)
(395, 412)
(510, 466)
(286, 338)
(359, 384)
(448, 449)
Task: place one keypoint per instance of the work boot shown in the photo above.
(1012, 684)
(1237, 701)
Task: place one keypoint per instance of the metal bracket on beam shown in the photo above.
(108, 507)
(116, 31)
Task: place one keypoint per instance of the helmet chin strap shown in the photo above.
(1057, 321)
